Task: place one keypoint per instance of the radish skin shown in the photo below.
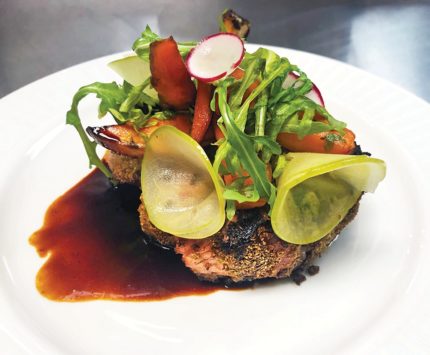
(215, 57)
(314, 94)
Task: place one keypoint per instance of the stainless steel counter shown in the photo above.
(388, 38)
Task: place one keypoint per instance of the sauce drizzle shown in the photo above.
(96, 249)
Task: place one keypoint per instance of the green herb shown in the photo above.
(251, 73)
(243, 146)
(230, 209)
(280, 166)
(271, 59)
(111, 95)
(126, 104)
(220, 155)
(331, 138)
(261, 116)
(240, 193)
(242, 113)
(142, 45)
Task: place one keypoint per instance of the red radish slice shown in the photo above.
(215, 57)
(314, 94)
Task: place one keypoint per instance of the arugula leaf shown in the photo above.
(125, 103)
(242, 113)
(272, 60)
(331, 138)
(137, 96)
(280, 166)
(142, 45)
(261, 116)
(232, 193)
(220, 155)
(251, 73)
(230, 209)
(290, 122)
(111, 95)
(269, 143)
(244, 148)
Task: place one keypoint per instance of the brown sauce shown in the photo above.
(96, 249)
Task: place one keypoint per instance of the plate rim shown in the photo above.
(22, 91)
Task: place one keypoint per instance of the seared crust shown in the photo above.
(124, 169)
(157, 236)
(244, 250)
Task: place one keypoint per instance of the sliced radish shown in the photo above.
(314, 94)
(215, 57)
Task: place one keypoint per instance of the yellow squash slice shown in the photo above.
(316, 191)
(180, 190)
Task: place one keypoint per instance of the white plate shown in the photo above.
(371, 295)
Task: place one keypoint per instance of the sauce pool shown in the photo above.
(97, 250)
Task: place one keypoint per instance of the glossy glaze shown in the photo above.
(97, 250)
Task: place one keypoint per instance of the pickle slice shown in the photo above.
(135, 71)
(316, 191)
(180, 190)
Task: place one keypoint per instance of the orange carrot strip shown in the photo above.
(319, 142)
(170, 77)
(202, 111)
(217, 131)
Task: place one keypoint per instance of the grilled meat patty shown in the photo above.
(245, 249)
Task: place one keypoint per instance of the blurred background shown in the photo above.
(388, 38)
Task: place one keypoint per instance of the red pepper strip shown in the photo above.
(202, 111)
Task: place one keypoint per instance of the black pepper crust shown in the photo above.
(246, 249)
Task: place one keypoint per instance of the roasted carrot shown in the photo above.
(217, 131)
(229, 179)
(325, 142)
(202, 111)
(125, 140)
(209, 136)
(180, 121)
(170, 77)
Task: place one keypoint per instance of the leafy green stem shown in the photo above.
(260, 116)
(111, 95)
(243, 111)
(244, 147)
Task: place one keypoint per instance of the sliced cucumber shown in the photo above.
(316, 191)
(133, 70)
(181, 191)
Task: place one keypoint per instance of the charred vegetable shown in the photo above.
(233, 23)
(169, 76)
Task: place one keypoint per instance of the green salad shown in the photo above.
(232, 129)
